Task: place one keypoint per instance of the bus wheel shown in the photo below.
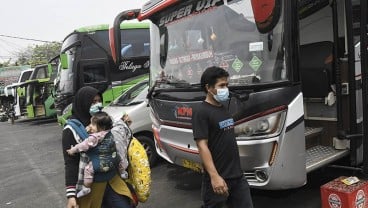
(149, 146)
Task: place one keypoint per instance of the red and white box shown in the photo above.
(336, 194)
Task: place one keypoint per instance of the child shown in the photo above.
(101, 125)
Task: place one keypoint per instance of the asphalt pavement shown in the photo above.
(32, 175)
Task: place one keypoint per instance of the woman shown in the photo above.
(110, 193)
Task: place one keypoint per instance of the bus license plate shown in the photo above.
(192, 165)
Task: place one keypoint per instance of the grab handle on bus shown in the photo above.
(345, 135)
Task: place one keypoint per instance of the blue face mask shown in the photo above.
(95, 108)
(222, 94)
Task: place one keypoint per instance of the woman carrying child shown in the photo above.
(111, 192)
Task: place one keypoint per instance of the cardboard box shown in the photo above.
(336, 194)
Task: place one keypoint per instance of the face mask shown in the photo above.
(222, 94)
(95, 108)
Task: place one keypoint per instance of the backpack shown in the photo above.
(103, 161)
(139, 170)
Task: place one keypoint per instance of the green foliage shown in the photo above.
(5, 63)
(38, 54)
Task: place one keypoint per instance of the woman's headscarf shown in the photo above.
(82, 102)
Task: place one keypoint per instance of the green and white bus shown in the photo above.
(39, 96)
(15, 95)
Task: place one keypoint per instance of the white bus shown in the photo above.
(295, 80)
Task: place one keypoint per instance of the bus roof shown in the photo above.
(124, 25)
(154, 6)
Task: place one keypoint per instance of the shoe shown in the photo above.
(83, 192)
(124, 175)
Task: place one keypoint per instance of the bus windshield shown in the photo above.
(194, 36)
(64, 84)
(25, 76)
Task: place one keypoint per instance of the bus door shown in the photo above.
(40, 101)
(356, 39)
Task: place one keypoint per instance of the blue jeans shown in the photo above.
(112, 199)
(239, 194)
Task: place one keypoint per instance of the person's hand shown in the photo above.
(72, 203)
(126, 119)
(88, 129)
(69, 151)
(219, 185)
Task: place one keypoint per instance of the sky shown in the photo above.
(52, 20)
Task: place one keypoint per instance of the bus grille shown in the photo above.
(250, 176)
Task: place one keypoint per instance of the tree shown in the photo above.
(38, 54)
(5, 63)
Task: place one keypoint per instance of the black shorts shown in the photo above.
(239, 194)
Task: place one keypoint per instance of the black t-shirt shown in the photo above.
(215, 124)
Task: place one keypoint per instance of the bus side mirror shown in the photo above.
(115, 33)
(64, 61)
(266, 14)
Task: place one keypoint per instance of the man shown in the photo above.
(223, 182)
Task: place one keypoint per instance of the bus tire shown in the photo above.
(149, 146)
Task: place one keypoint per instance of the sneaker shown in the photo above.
(124, 175)
(83, 192)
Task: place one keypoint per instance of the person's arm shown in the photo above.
(71, 163)
(122, 135)
(84, 146)
(218, 183)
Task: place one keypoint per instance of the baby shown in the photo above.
(101, 125)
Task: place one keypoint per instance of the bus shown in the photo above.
(86, 60)
(8, 76)
(298, 93)
(17, 92)
(39, 96)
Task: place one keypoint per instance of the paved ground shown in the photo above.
(31, 175)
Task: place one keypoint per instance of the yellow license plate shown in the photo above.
(192, 165)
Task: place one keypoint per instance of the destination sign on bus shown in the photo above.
(187, 10)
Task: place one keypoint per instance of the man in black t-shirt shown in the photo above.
(223, 182)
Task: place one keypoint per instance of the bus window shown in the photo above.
(94, 73)
(135, 49)
(41, 73)
(135, 43)
(307, 7)
(25, 76)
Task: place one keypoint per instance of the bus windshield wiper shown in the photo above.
(171, 84)
(244, 79)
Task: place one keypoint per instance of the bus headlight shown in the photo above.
(265, 124)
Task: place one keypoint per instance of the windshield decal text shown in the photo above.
(191, 58)
(130, 65)
(188, 10)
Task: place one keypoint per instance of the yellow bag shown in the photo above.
(139, 170)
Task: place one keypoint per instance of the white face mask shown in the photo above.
(222, 94)
(95, 108)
